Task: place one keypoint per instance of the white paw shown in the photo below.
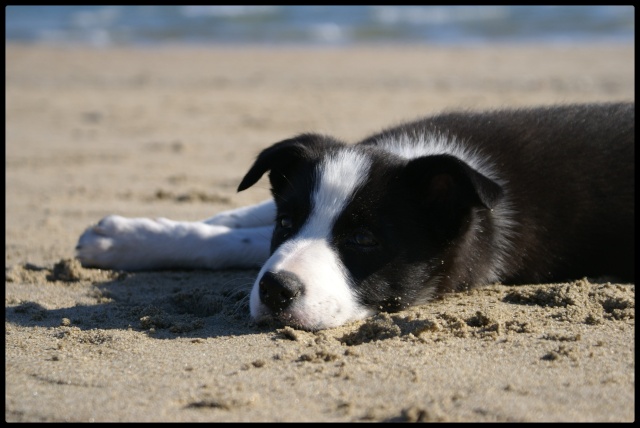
(122, 243)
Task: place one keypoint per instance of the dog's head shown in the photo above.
(359, 230)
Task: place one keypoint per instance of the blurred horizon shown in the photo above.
(317, 25)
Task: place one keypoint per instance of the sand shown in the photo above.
(170, 132)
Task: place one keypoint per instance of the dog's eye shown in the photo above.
(364, 238)
(285, 221)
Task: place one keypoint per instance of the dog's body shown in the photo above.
(436, 205)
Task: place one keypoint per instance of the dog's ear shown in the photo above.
(449, 182)
(281, 158)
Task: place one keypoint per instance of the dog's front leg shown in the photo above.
(148, 244)
(262, 214)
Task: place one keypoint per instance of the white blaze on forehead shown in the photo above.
(328, 299)
(338, 178)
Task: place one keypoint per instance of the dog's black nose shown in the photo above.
(278, 290)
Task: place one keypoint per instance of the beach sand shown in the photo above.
(170, 132)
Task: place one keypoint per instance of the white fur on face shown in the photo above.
(328, 298)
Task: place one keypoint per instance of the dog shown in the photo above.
(436, 205)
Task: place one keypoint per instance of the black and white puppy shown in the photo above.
(436, 205)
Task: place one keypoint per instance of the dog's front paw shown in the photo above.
(118, 243)
(150, 244)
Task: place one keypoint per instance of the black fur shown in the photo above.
(566, 173)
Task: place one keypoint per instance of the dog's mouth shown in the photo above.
(291, 318)
(282, 320)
